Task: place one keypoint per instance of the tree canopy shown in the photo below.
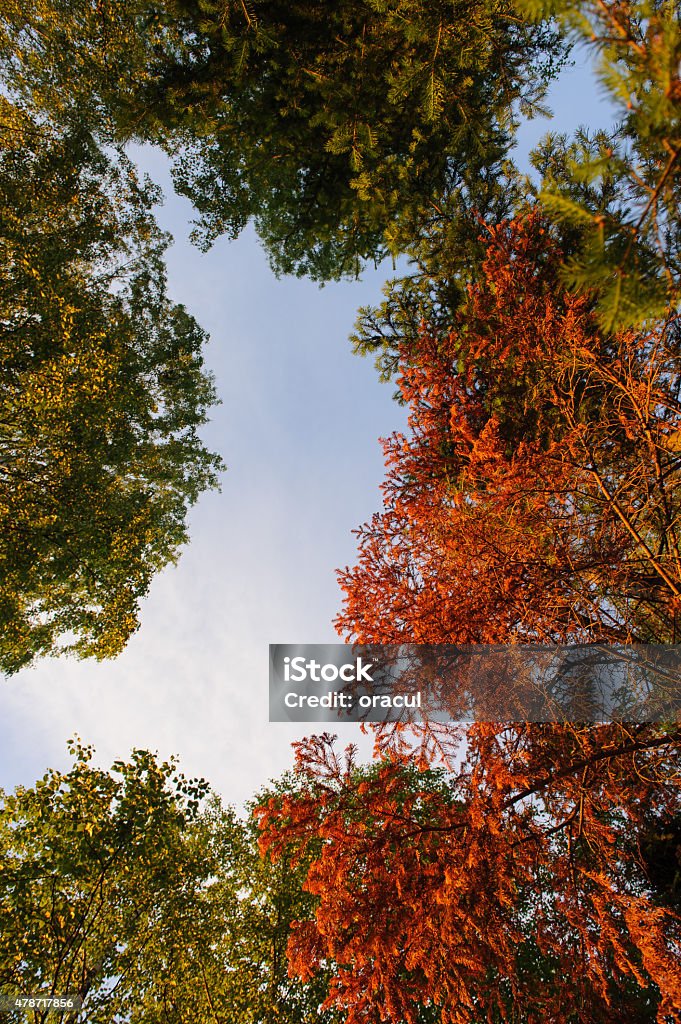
(622, 188)
(333, 128)
(137, 891)
(516, 886)
(537, 880)
(340, 131)
(87, 860)
(102, 393)
(536, 496)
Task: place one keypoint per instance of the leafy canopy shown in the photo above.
(102, 394)
(87, 859)
(335, 126)
(135, 889)
(331, 126)
(339, 130)
(513, 886)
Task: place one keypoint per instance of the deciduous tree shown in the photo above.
(218, 950)
(102, 394)
(138, 891)
(510, 889)
(87, 859)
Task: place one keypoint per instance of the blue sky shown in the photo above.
(298, 428)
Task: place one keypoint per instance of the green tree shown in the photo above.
(621, 190)
(87, 857)
(332, 127)
(102, 392)
(336, 127)
(346, 134)
(445, 260)
(66, 61)
(129, 889)
(613, 195)
(219, 953)
(342, 131)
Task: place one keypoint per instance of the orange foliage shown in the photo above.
(537, 496)
(512, 890)
(535, 499)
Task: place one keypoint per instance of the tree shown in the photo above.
(341, 133)
(333, 129)
(622, 189)
(137, 891)
(614, 195)
(537, 496)
(218, 953)
(510, 889)
(535, 499)
(103, 391)
(63, 63)
(444, 259)
(86, 859)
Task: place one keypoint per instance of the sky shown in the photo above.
(298, 428)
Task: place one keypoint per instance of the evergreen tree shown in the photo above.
(622, 190)
(335, 127)
(332, 126)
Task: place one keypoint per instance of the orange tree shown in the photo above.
(536, 496)
(534, 500)
(521, 887)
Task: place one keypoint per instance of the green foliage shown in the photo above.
(129, 889)
(336, 126)
(445, 255)
(613, 196)
(87, 858)
(220, 951)
(630, 253)
(102, 392)
(445, 261)
(339, 129)
(585, 189)
(65, 62)
(330, 126)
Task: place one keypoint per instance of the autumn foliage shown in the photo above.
(515, 889)
(533, 877)
(536, 496)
